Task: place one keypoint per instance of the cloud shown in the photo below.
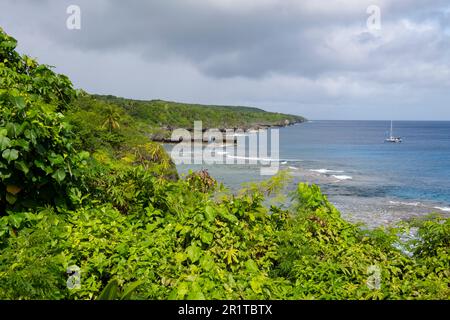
(286, 55)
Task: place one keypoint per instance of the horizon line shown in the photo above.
(380, 120)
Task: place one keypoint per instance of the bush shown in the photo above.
(38, 161)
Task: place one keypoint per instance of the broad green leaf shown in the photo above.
(39, 164)
(251, 266)
(56, 159)
(10, 154)
(255, 284)
(15, 220)
(207, 262)
(24, 144)
(22, 167)
(11, 198)
(206, 237)
(12, 129)
(83, 155)
(5, 143)
(231, 218)
(31, 135)
(19, 102)
(210, 214)
(193, 253)
(195, 293)
(181, 290)
(130, 289)
(110, 292)
(180, 257)
(4, 175)
(59, 175)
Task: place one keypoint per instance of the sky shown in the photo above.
(318, 58)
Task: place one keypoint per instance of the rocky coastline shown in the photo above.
(164, 135)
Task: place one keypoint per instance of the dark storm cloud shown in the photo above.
(231, 38)
(226, 38)
(317, 52)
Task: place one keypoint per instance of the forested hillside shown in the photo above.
(181, 115)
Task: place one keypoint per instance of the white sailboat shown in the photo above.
(392, 138)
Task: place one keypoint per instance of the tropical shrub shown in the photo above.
(38, 161)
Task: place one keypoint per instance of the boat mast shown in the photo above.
(392, 131)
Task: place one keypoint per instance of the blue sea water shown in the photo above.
(417, 169)
(369, 180)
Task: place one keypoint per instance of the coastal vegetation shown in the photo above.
(157, 119)
(165, 114)
(83, 187)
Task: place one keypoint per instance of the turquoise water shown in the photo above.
(369, 180)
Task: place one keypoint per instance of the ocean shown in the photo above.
(368, 180)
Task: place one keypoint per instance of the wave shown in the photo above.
(293, 168)
(326, 171)
(222, 145)
(445, 209)
(412, 204)
(237, 135)
(282, 161)
(342, 177)
(254, 158)
(418, 204)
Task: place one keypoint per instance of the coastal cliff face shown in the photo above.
(164, 134)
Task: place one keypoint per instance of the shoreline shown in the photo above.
(383, 212)
(162, 137)
(370, 210)
(343, 191)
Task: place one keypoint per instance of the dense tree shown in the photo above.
(112, 119)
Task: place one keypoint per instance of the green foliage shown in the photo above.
(182, 245)
(38, 161)
(202, 181)
(434, 237)
(117, 144)
(24, 75)
(31, 264)
(112, 291)
(137, 232)
(112, 119)
(169, 115)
